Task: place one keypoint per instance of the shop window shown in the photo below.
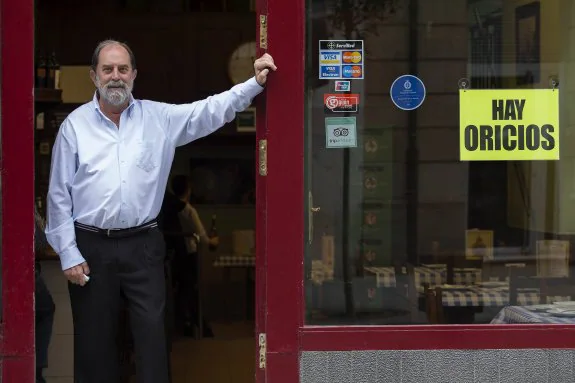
(402, 229)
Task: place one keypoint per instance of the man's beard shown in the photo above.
(115, 92)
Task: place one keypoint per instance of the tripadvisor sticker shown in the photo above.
(509, 125)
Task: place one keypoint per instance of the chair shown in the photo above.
(548, 287)
(405, 286)
(434, 304)
(557, 287)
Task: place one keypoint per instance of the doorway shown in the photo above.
(186, 51)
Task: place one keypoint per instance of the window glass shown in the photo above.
(435, 190)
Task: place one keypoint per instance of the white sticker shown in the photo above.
(341, 60)
(340, 132)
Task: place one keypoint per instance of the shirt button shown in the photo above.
(123, 182)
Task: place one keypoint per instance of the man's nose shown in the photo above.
(115, 74)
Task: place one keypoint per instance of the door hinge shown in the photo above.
(263, 31)
(263, 157)
(262, 346)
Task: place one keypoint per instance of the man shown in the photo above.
(44, 307)
(186, 262)
(110, 165)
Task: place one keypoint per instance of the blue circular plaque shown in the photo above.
(407, 92)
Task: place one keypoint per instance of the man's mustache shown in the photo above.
(118, 84)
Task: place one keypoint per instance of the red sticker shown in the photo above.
(341, 102)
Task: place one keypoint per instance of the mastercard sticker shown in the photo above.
(351, 57)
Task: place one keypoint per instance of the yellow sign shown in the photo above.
(509, 125)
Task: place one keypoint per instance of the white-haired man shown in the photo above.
(110, 164)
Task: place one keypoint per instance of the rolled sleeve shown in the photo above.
(188, 122)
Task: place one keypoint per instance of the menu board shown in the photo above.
(552, 258)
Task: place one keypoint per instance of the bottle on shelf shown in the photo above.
(213, 233)
(53, 78)
(41, 70)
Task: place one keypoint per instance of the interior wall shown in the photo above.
(541, 178)
(181, 57)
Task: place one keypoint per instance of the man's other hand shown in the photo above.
(76, 274)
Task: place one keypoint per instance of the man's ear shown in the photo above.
(134, 74)
(93, 77)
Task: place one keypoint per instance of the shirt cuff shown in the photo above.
(71, 257)
(253, 88)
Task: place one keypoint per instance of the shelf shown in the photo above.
(45, 95)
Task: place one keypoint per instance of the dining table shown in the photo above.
(532, 314)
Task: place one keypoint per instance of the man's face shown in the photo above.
(114, 76)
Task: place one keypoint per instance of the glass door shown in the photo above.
(428, 209)
(379, 232)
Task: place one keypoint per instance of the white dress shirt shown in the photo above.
(191, 222)
(115, 178)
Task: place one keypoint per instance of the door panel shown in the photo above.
(17, 190)
(280, 193)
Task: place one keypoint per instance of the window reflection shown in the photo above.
(406, 233)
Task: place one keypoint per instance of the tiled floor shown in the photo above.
(231, 351)
(226, 358)
(229, 357)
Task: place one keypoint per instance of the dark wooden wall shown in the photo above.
(181, 56)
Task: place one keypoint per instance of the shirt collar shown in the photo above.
(96, 103)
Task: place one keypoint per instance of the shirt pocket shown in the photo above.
(146, 158)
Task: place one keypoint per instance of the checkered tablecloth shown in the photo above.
(517, 314)
(235, 261)
(385, 276)
(480, 296)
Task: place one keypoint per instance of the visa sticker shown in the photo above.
(328, 71)
(333, 57)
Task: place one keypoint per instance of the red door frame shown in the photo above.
(280, 193)
(17, 55)
(284, 225)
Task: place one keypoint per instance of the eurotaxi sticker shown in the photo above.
(509, 125)
(341, 102)
(342, 86)
(341, 59)
(340, 132)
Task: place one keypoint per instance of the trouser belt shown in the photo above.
(118, 233)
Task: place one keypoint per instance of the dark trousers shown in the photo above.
(186, 278)
(44, 314)
(130, 267)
